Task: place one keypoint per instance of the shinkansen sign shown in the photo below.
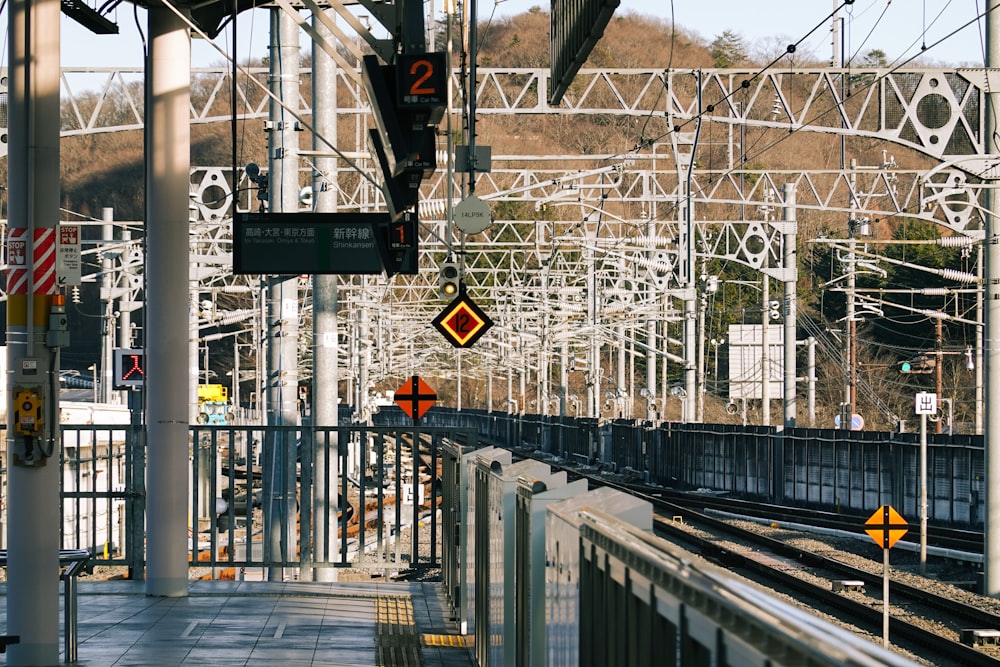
(324, 243)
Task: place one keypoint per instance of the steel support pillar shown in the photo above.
(33, 188)
(168, 167)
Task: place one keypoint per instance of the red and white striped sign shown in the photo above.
(44, 261)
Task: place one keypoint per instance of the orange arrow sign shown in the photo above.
(887, 526)
(415, 397)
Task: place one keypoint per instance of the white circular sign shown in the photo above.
(472, 215)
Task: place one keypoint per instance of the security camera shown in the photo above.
(252, 171)
(306, 195)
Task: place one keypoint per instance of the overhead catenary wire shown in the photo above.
(266, 91)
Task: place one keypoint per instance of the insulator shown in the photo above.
(652, 265)
(76, 294)
(235, 289)
(958, 276)
(235, 316)
(653, 241)
(432, 207)
(955, 241)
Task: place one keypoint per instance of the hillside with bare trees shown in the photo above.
(107, 169)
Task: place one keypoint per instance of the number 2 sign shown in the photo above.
(421, 80)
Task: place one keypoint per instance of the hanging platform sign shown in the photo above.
(323, 243)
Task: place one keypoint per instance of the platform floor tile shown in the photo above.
(266, 623)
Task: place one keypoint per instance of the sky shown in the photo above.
(898, 27)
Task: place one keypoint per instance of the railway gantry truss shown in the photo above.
(584, 251)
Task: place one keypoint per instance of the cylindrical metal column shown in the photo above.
(168, 159)
(325, 372)
(33, 188)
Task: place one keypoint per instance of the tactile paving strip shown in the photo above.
(447, 641)
(397, 643)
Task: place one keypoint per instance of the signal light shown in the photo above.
(448, 280)
(129, 369)
(774, 310)
(919, 365)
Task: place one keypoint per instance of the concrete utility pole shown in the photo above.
(687, 238)
(168, 172)
(850, 320)
(282, 304)
(765, 352)
(326, 378)
(991, 348)
(790, 239)
(33, 188)
(107, 308)
(651, 341)
(939, 367)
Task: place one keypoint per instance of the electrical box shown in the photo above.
(28, 412)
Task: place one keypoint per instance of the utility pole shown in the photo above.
(979, 352)
(282, 304)
(699, 416)
(991, 350)
(790, 239)
(851, 387)
(938, 367)
(107, 308)
(326, 373)
(765, 352)
(651, 412)
(686, 248)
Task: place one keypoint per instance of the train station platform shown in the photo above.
(293, 624)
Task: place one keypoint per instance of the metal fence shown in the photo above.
(266, 497)
(365, 497)
(822, 468)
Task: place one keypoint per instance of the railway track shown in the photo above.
(938, 536)
(927, 623)
(923, 621)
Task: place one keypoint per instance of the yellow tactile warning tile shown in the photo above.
(397, 644)
(448, 641)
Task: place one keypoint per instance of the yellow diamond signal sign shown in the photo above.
(886, 526)
(462, 322)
